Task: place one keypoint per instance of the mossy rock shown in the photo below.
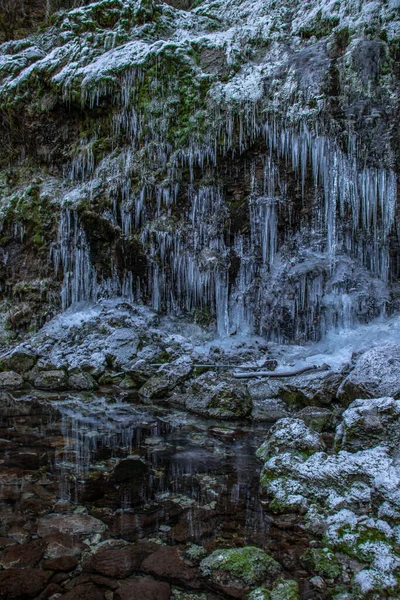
(323, 561)
(285, 590)
(240, 569)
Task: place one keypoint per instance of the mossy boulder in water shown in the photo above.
(235, 571)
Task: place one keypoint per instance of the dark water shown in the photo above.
(145, 472)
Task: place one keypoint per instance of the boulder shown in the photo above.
(236, 571)
(55, 380)
(22, 556)
(70, 523)
(63, 563)
(376, 374)
(81, 381)
(23, 583)
(9, 380)
(212, 395)
(290, 435)
(368, 423)
(116, 562)
(316, 417)
(269, 410)
(168, 563)
(317, 388)
(19, 360)
(143, 588)
(166, 379)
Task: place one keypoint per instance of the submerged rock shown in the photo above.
(236, 571)
(212, 395)
(375, 374)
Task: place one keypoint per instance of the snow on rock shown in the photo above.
(375, 374)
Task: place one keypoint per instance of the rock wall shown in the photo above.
(232, 161)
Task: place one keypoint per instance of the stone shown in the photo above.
(143, 588)
(51, 380)
(290, 435)
(368, 423)
(63, 563)
(23, 583)
(166, 378)
(9, 380)
(270, 410)
(59, 545)
(168, 563)
(317, 388)
(70, 523)
(285, 590)
(81, 381)
(117, 562)
(376, 374)
(236, 571)
(19, 360)
(86, 591)
(317, 418)
(22, 556)
(212, 395)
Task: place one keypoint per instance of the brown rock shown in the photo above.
(62, 544)
(49, 591)
(143, 588)
(87, 591)
(23, 583)
(21, 556)
(71, 523)
(168, 563)
(119, 562)
(63, 563)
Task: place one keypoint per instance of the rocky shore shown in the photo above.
(327, 446)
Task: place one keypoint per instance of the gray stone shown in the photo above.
(290, 435)
(9, 380)
(316, 417)
(51, 380)
(271, 409)
(368, 423)
(376, 374)
(166, 379)
(19, 360)
(212, 395)
(81, 381)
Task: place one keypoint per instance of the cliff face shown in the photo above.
(231, 160)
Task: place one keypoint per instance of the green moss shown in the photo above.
(321, 27)
(323, 562)
(260, 593)
(249, 564)
(285, 590)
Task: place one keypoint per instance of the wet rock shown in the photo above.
(117, 562)
(51, 380)
(214, 396)
(70, 523)
(21, 556)
(317, 388)
(19, 360)
(290, 435)
(129, 469)
(368, 423)
(23, 583)
(121, 346)
(9, 380)
(81, 381)
(270, 410)
(63, 563)
(166, 379)
(283, 590)
(87, 591)
(318, 418)
(167, 562)
(376, 374)
(237, 571)
(143, 588)
(59, 545)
